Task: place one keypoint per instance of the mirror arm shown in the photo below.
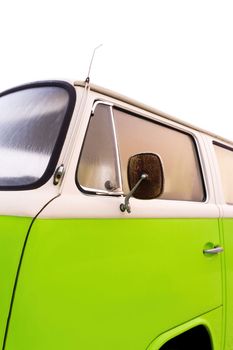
(126, 206)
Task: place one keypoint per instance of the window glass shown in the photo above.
(98, 169)
(30, 121)
(182, 178)
(225, 162)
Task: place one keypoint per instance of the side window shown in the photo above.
(225, 162)
(182, 176)
(98, 169)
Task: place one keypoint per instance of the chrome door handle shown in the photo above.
(215, 250)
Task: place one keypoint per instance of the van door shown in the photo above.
(33, 122)
(224, 169)
(98, 278)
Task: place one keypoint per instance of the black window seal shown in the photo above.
(61, 136)
(216, 143)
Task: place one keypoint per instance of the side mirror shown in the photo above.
(145, 177)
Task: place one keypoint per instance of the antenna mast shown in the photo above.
(89, 70)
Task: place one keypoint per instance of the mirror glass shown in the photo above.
(150, 164)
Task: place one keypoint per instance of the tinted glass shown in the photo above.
(98, 170)
(30, 121)
(182, 177)
(225, 162)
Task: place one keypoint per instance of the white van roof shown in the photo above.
(147, 108)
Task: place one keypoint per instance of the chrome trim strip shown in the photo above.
(98, 191)
(118, 169)
(117, 151)
(96, 103)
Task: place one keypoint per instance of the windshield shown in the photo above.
(31, 120)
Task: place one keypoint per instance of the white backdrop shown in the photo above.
(175, 55)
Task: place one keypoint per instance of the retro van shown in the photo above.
(116, 226)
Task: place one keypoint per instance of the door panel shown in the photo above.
(227, 229)
(12, 237)
(34, 119)
(223, 176)
(93, 277)
(112, 283)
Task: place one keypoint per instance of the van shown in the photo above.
(116, 224)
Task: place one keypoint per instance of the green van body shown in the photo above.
(76, 272)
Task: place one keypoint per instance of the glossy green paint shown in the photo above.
(13, 231)
(112, 284)
(212, 322)
(227, 228)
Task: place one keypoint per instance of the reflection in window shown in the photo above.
(98, 169)
(30, 121)
(225, 162)
(182, 178)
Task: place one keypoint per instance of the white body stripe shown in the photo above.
(72, 203)
(75, 204)
(85, 206)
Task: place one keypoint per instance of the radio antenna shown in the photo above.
(92, 58)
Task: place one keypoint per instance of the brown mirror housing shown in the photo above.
(150, 164)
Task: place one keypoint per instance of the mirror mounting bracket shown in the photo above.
(126, 206)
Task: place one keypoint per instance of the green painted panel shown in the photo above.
(13, 231)
(211, 321)
(227, 225)
(112, 284)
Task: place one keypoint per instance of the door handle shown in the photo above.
(215, 250)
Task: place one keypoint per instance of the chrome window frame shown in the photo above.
(91, 190)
